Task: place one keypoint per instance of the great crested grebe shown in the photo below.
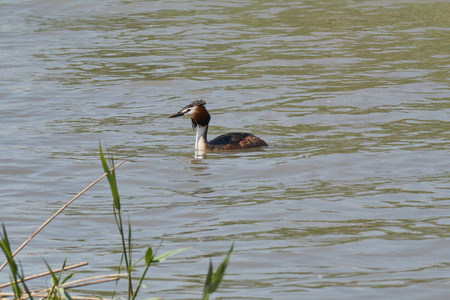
(200, 119)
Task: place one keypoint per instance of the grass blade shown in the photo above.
(213, 280)
(111, 175)
(209, 275)
(165, 255)
(149, 256)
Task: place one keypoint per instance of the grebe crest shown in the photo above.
(200, 120)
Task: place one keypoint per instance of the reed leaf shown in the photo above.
(16, 275)
(166, 255)
(111, 176)
(213, 279)
(63, 293)
(148, 256)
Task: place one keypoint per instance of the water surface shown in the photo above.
(351, 197)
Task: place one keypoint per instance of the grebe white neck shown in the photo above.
(200, 138)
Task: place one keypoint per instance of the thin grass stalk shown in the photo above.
(73, 297)
(60, 210)
(111, 175)
(21, 279)
(78, 283)
(149, 255)
(130, 253)
(115, 286)
(126, 257)
(105, 278)
(48, 273)
(55, 281)
(118, 218)
(81, 282)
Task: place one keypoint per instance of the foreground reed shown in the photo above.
(125, 235)
(61, 285)
(59, 211)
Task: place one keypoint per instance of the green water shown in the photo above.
(350, 199)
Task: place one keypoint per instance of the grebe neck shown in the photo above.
(200, 139)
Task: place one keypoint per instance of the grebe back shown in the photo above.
(200, 120)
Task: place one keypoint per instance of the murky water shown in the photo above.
(351, 199)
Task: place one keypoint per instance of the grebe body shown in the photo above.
(230, 141)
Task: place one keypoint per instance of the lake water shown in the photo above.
(350, 200)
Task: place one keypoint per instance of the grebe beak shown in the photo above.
(180, 113)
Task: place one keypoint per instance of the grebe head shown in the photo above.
(197, 111)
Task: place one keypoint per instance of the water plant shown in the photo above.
(150, 255)
(57, 290)
(213, 279)
(16, 275)
(60, 284)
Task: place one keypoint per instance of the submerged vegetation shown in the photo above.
(60, 284)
